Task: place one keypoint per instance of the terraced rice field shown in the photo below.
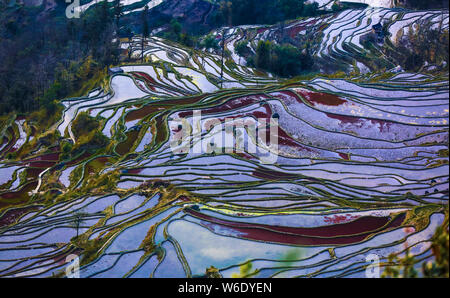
(361, 167)
(335, 39)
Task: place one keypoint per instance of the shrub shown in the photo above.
(210, 42)
(284, 60)
(84, 124)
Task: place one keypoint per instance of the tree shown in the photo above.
(78, 219)
(175, 26)
(210, 42)
(335, 7)
(241, 48)
(284, 60)
(84, 124)
(104, 13)
(145, 30)
(118, 12)
(40, 62)
(262, 59)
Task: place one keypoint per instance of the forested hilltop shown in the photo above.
(46, 56)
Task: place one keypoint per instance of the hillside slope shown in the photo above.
(188, 164)
(337, 41)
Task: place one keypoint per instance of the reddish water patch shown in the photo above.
(45, 157)
(141, 113)
(338, 234)
(184, 198)
(296, 29)
(383, 126)
(149, 81)
(315, 98)
(161, 105)
(346, 119)
(322, 27)
(339, 218)
(12, 141)
(15, 194)
(12, 215)
(79, 159)
(40, 164)
(134, 171)
(261, 30)
(96, 163)
(283, 139)
(345, 156)
(14, 198)
(143, 75)
(269, 174)
(289, 97)
(229, 105)
(33, 172)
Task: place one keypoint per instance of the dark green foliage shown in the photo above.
(210, 42)
(177, 33)
(41, 60)
(145, 28)
(86, 130)
(440, 249)
(425, 45)
(175, 26)
(118, 11)
(283, 60)
(263, 54)
(188, 40)
(242, 48)
(241, 12)
(429, 4)
(66, 148)
(413, 62)
(288, 60)
(335, 7)
(84, 124)
(403, 267)
(99, 140)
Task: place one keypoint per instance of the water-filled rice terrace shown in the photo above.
(362, 168)
(336, 40)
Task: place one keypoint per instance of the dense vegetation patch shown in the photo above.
(429, 4)
(284, 60)
(425, 45)
(46, 56)
(242, 12)
(87, 133)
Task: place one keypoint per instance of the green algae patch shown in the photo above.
(419, 217)
(443, 153)
(126, 146)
